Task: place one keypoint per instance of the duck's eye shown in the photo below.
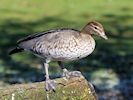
(95, 27)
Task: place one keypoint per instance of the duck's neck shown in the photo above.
(86, 30)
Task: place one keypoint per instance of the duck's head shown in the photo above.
(95, 27)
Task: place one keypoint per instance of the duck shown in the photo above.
(65, 44)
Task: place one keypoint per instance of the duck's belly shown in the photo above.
(70, 54)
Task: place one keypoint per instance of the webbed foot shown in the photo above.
(71, 74)
(50, 85)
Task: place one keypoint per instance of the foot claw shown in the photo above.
(50, 85)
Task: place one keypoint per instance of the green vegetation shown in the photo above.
(19, 18)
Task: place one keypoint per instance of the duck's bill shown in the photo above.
(104, 36)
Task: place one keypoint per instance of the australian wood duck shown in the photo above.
(61, 45)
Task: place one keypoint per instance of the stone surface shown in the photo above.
(77, 88)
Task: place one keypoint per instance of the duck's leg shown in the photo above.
(68, 74)
(50, 84)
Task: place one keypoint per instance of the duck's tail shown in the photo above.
(15, 50)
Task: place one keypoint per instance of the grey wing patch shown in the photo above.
(27, 45)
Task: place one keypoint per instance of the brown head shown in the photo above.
(94, 28)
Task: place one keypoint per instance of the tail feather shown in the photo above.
(15, 50)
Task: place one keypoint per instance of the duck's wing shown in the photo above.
(27, 43)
